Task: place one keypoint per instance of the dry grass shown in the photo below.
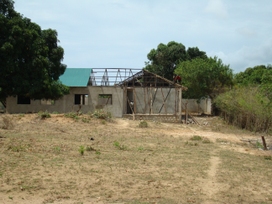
(41, 162)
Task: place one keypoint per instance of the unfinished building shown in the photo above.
(132, 93)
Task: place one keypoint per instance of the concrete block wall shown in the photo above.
(157, 96)
(66, 103)
(193, 106)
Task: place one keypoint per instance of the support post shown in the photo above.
(264, 143)
(180, 105)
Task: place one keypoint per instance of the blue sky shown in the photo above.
(120, 33)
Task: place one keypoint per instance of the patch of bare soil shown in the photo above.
(86, 160)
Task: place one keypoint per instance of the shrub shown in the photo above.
(81, 150)
(7, 123)
(119, 146)
(143, 124)
(196, 138)
(247, 107)
(44, 114)
(101, 114)
(72, 115)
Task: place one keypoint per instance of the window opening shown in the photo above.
(81, 99)
(105, 99)
(23, 100)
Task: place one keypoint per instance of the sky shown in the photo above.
(120, 33)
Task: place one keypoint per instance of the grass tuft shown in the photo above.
(143, 124)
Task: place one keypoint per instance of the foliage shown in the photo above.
(30, 58)
(44, 114)
(7, 123)
(119, 146)
(257, 75)
(143, 124)
(196, 138)
(72, 115)
(81, 150)
(101, 114)
(164, 60)
(260, 75)
(204, 77)
(246, 107)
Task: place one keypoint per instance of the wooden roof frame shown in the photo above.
(145, 78)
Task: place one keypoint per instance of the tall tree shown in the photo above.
(194, 52)
(30, 58)
(164, 60)
(254, 76)
(260, 76)
(204, 77)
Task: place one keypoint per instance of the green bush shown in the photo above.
(143, 124)
(81, 150)
(246, 107)
(101, 114)
(44, 114)
(73, 115)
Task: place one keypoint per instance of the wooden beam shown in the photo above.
(180, 104)
(165, 99)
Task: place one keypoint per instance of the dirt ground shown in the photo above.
(81, 159)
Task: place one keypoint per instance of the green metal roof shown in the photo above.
(76, 77)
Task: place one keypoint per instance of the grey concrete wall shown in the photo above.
(157, 96)
(66, 103)
(204, 106)
(116, 108)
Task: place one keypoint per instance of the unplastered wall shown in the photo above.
(116, 108)
(198, 106)
(62, 105)
(155, 100)
(67, 102)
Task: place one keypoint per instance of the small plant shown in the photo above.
(81, 150)
(143, 124)
(72, 115)
(44, 114)
(101, 114)
(7, 123)
(89, 148)
(268, 157)
(206, 141)
(140, 148)
(196, 138)
(17, 148)
(57, 149)
(85, 120)
(103, 122)
(97, 152)
(119, 146)
(259, 145)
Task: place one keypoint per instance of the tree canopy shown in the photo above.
(260, 76)
(164, 60)
(30, 58)
(204, 77)
(257, 75)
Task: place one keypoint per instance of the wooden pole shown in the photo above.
(163, 102)
(151, 102)
(180, 105)
(264, 143)
(186, 113)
